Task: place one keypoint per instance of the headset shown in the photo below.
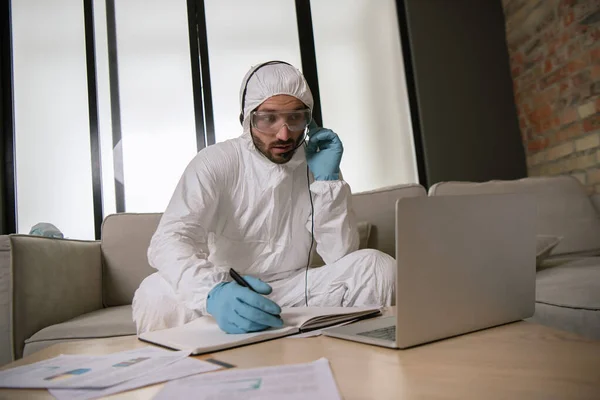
(246, 89)
(312, 208)
(248, 80)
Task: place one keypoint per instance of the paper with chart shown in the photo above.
(179, 369)
(86, 371)
(297, 381)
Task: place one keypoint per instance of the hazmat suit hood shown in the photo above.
(268, 81)
(264, 81)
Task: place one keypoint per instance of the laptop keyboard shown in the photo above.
(387, 333)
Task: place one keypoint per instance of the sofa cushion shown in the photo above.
(564, 209)
(378, 207)
(563, 259)
(364, 231)
(107, 322)
(575, 284)
(568, 297)
(544, 246)
(125, 241)
(580, 321)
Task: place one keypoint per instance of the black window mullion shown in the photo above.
(7, 155)
(308, 54)
(412, 93)
(209, 120)
(115, 104)
(196, 78)
(88, 9)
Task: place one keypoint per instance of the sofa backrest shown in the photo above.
(564, 208)
(126, 237)
(6, 346)
(379, 208)
(596, 201)
(125, 241)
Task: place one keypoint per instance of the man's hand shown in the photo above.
(324, 153)
(238, 309)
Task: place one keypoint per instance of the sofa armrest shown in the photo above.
(595, 198)
(52, 281)
(6, 352)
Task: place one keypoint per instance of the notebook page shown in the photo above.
(203, 335)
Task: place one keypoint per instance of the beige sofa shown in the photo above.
(56, 290)
(568, 280)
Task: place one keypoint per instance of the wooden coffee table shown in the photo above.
(514, 361)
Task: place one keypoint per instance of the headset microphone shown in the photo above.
(303, 139)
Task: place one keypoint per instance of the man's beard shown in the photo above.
(278, 158)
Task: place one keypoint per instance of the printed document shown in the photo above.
(85, 371)
(297, 381)
(178, 369)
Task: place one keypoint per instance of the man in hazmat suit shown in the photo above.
(254, 204)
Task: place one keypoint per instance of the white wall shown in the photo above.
(157, 109)
(52, 135)
(241, 34)
(363, 90)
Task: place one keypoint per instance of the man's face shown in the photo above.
(278, 147)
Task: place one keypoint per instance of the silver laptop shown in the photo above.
(465, 263)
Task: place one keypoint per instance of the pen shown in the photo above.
(238, 278)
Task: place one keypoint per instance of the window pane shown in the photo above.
(157, 109)
(54, 179)
(241, 34)
(363, 90)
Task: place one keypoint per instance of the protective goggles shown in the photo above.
(270, 122)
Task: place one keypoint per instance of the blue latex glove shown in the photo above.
(238, 309)
(324, 163)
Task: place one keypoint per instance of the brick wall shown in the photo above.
(554, 48)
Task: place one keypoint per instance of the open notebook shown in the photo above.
(203, 335)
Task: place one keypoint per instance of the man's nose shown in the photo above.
(284, 133)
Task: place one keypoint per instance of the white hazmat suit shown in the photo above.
(234, 208)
